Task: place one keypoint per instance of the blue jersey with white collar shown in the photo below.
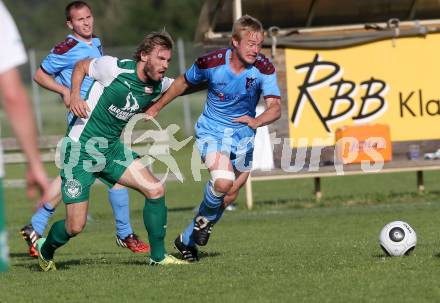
(230, 95)
(62, 59)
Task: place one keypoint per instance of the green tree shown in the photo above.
(117, 22)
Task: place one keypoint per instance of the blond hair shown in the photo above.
(246, 23)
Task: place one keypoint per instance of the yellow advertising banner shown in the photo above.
(393, 83)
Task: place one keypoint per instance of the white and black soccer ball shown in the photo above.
(397, 238)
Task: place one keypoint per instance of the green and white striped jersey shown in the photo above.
(114, 97)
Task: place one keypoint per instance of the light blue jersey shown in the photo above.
(230, 96)
(62, 59)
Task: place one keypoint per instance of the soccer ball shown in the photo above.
(397, 239)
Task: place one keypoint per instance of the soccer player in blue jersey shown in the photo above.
(55, 74)
(225, 131)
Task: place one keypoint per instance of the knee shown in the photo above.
(223, 186)
(156, 192)
(118, 186)
(74, 228)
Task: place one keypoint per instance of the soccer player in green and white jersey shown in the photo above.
(54, 74)
(92, 147)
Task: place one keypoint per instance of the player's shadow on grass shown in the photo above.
(20, 255)
(211, 254)
(32, 265)
(105, 253)
(64, 265)
(178, 209)
(143, 261)
(170, 210)
(385, 256)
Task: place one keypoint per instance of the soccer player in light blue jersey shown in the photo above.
(237, 77)
(55, 74)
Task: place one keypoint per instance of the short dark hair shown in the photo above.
(160, 38)
(74, 5)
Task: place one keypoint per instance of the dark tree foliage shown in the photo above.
(117, 22)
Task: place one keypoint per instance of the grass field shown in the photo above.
(288, 249)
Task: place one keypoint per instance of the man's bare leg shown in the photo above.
(61, 232)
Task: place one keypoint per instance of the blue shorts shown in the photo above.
(237, 142)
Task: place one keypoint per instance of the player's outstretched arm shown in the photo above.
(77, 105)
(271, 114)
(48, 82)
(196, 88)
(19, 111)
(176, 89)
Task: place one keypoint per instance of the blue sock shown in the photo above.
(41, 218)
(118, 199)
(187, 237)
(219, 214)
(211, 203)
(211, 208)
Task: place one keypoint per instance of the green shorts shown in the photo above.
(81, 168)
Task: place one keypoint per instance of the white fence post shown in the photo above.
(186, 106)
(236, 10)
(35, 92)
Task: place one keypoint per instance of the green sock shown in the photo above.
(155, 221)
(56, 238)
